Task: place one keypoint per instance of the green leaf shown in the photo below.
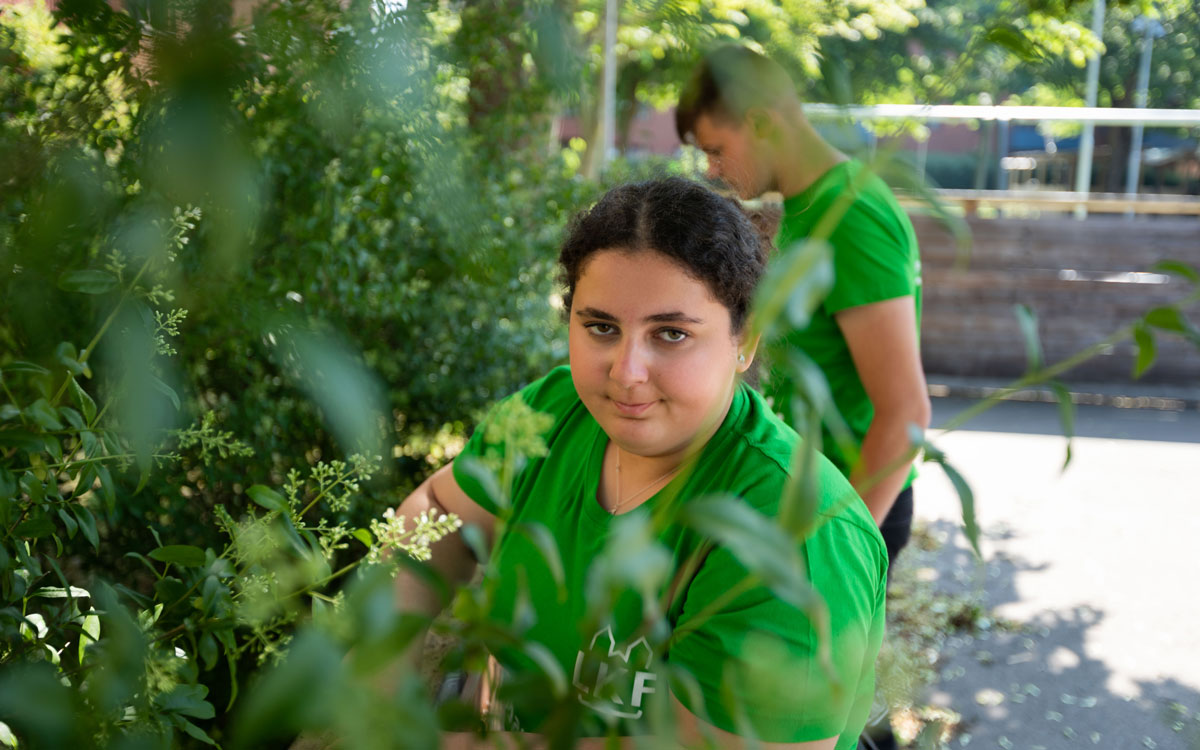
(1066, 415)
(23, 439)
(543, 540)
(58, 592)
(43, 414)
(1012, 39)
(1168, 319)
(549, 665)
(8, 484)
(89, 281)
(90, 634)
(363, 536)
(300, 692)
(207, 650)
(1028, 321)
(476, 541)
(71, 524)
(165, 390)
(51, 445)
(267, 498)
(35, 528)
(22, 366)
(66, 356)
(85, 401)
(186, 699)
(796, 281)
(74, 418)
(179, 554)
(758, 543)
(475, 469)
(107, 489)
(967, 499)
(9, 411)
(1143, 336)
(1179, 269)
(87, 524)
(192, 730)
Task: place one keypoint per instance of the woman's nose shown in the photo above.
(630, 366)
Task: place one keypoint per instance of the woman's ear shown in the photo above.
(746, 352)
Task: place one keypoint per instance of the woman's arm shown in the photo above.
(451, 558)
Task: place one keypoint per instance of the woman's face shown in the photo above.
(652, 353)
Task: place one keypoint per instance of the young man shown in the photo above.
(742, 110)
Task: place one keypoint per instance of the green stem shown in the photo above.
(338, 480)
(714, 606)
(1038, 376)
(112, 316)
(332, 576)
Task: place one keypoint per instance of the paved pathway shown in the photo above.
(1103, 562)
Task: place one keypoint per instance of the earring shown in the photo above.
(742, 358)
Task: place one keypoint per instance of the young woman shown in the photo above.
(651, 416)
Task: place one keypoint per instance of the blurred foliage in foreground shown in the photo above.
(195, 220)
(253, 270)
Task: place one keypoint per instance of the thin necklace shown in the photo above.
(621, 501)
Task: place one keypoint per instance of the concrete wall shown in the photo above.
(1084, 279)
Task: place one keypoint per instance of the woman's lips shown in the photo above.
(632, 410)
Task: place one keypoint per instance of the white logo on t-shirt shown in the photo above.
(601, 688)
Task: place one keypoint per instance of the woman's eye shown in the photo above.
(600, 329)
(672, 335)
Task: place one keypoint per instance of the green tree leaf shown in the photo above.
(188, 700)
(27, 367)
(34, 528)
(1066, 416)
(757, 542)
(1179, 269)
(1012, 39)
(966, 498)
(69, 522)
(43, 414)
(796, 281)
(267, 498)
(89, 281)
(165, 390)
(1143, 336)
(543, 540)
(68, 357)
(90, 633)
(8, 484)
(179, 554)
(85, 401)
(87, 524)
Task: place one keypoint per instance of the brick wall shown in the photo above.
(1085, 279)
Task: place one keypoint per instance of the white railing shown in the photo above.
(1004, 115)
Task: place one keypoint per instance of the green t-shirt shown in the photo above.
(752, 659)
(875, 258)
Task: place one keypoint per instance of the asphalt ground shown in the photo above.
(1098, 567)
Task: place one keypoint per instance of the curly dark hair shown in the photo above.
(707, 235)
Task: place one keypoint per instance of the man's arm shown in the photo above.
(882, 338)
(690, 732)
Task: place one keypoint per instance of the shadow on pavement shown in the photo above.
(1034, 685)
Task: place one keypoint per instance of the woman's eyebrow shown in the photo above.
(673, 317)
(591, 312)
(666, 317)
